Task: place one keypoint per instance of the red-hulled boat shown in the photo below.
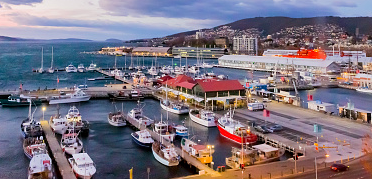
(235, 131)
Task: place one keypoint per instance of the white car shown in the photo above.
(266, 100)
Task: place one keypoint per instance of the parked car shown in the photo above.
(266, 100)
(339, 167)
(262, 129)
(276, 128)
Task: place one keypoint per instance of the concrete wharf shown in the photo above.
(189, 159)
(57, 154)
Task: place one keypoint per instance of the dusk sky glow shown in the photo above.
(133, 19)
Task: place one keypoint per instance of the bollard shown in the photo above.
(303, 169)
(269, 175)
(249, 176)
(282, 172)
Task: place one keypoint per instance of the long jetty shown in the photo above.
(60, 159)
(189, 159)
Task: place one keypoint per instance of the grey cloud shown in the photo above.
(216, 9)
(344, 4)
(19, 2)
(1, 6)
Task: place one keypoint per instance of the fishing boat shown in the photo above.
(40, 167)
(180, 130)
(70, 143)
(82, 165)
(41, 69)
(117, 118)
(92, 67)
(176, 108)
(234, 130)
(29, 127)
(58, 124)
(19, 100)
(33, 146)
(257, 154)
(123, 95)
(163, 130)
(137, 115)
(81, 68)
(51, 69)
(73, 119)
(201, 152)
(71, 69)
(203, 117)
(165, 155)
(142, 138)
(77, 96)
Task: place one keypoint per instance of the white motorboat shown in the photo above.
(82, 165)
(117, 72)
(152, 71)
(58, 123)
(70, 142)
(71, 69)
(222, 77)
(41, 70)
(130, 68)
(201, 152)
(206, 65)
(116, 119)
(165, 70)
(194, 70)
(73, 119)
(77, 96)
(51, 69)
(40, 167)
(181, 130)
(164, 131)
(178, 70)
(142, 138)
(33, 146)
(203, 117)
(176, 108)
(364, 90)
(92, 67)
(137, 115)
(81, 68)
(165, 155)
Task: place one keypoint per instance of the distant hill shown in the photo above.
(270, 25)
(113, 40)
(70, 40)
(5, 38)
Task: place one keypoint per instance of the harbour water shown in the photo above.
(111, 148)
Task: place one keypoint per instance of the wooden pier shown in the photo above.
(57, 154)
(189, 159)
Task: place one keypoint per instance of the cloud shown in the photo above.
(19, 2)
(216, 9)
(1, 6)
(344, 4)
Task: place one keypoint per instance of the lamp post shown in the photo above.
(43, 109)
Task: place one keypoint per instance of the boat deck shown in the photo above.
(57, 154)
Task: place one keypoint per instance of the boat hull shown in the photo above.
(183, 111)
(116, 124)
(61, 129)
(147, 145)
(202, 122)
(364, 91)
(69, 100)
(163, 161)
(234, 137)
(6, 103)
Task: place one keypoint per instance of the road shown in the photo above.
(358, 170)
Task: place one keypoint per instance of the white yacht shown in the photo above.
(206, 65)
(165, 155)
(70, 143)
(165, 70)
(194, 70)
(142, 138)
(203, 117)
(82, 165)
(117, 72)
(178, 70)
(136, 114)
(51, 69)
(70, 68)
(92, 67)
(81, 68)
(40, 167)
(152, 71)
(364, 90)
(58, 123)
(77, 96)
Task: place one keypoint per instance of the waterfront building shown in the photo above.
(218, 94)
(245, 45)
(152, 51)
(201, 52)
(222, 42)
(263, 63)
(115, 50)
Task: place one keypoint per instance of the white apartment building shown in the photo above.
(245, 45)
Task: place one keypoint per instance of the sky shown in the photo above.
(136, 19)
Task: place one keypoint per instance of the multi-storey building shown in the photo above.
(245, 45)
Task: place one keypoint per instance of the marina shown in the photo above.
(105, 135)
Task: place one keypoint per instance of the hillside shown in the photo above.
(270, 25)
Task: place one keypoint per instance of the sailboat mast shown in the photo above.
(115, 62)
(51, 65)
(42, 57)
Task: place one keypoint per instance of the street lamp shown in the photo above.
(43, 109)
